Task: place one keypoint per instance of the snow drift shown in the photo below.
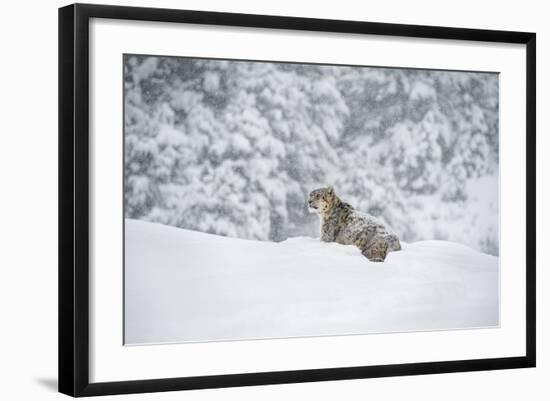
(183, 286)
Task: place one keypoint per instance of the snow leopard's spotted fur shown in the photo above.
(341, 223)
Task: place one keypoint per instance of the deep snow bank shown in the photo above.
(183, 285)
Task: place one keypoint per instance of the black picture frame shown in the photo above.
(74, 191)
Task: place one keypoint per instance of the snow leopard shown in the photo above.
(342, 224)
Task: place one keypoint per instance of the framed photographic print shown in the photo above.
(250, 199)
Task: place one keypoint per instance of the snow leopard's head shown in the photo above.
(322, 199)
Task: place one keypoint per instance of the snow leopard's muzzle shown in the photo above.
(312, 206)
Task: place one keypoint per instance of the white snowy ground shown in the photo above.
(185, 286)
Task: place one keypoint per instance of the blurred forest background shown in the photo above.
(233, 148)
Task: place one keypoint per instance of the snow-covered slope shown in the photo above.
(183, 285)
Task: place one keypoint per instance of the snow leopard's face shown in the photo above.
(321, 200)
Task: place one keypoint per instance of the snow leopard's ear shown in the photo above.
(330, 190)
